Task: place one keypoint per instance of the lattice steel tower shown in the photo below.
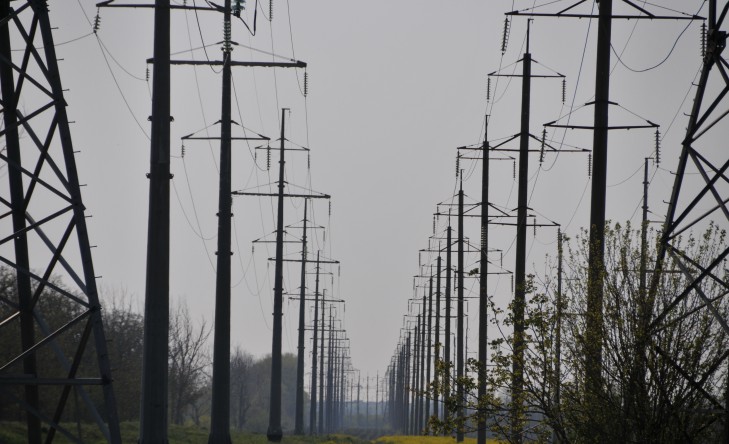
(699, 198)
(54, 350)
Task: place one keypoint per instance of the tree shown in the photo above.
(124, 328)
(188, 360)
(240, 391)
(646, 396)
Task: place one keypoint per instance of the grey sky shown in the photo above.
(394, 86)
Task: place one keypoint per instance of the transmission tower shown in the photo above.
(699, 199)
(60, 347)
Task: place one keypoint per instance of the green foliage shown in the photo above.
(643, 397)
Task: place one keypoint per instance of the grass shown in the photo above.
(14, 433)
(426, 440)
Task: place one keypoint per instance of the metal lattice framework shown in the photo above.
(699, 200)
(53, 356)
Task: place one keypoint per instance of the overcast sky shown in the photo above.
(394, 88)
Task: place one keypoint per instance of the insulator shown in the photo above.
(458, 165)
(253, 248)
(512, 283)
(308, 161)
(306, 83)
(325, 236)
(330, 209)
(564, 90)
(146, 75)
(226, 36)
(589, 165)
(270, 10)
(238, 6)
(505, 37)
(541, 152)
(513, 169)
(97, 22)
(535, 228)
(488, 89)
(182, 151)
(658, 147)
(433, 224)
(268, 157)
(703, 39)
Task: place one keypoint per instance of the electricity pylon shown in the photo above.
(704, 157)
(61, 348)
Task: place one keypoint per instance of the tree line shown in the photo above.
(189, 373)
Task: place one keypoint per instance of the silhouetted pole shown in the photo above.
(436, 400)
(447, 322)
(644, 235)
(483, 297)
(415, 379)
(312, 405)
(274, 432)
(517, 382)
(407, 384)
(377, 400)
(459, 321)
(421, 385)
(558, 336)
(429, 357)
(299, 426)
(359, 387)
(331, 357)
(594, 317)
(321, 360)
(153, 418)
(220, 409)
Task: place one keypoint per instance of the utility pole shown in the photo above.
(447, 321)
(558, 338)
(421, 386)
(275, 433)
(220, 410)
(459, 320)
(153, 419)
(596, 266)
(436, 400)
(377, 400)
(517, 408)
(321, 362)
(415, 379)
(483, 298)
(429, 357)
(312, 405)
(299, 426)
